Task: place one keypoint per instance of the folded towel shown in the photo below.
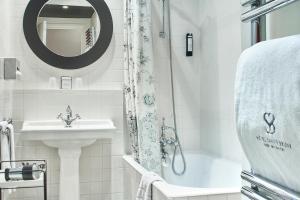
(268, 109)
(145, 187)
(11, 132)
(7, 148)
(7, 145)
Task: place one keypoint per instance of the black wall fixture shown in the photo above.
(32, 37)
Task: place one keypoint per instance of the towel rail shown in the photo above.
(270, 188)
(248, 2)
(5, 131)
(251, 193)
(28, 183)
(264, 9)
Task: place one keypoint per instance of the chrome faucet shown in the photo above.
(166, 141)
(68, 119)
(173, 142)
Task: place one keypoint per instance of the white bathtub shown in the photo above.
(206, 178)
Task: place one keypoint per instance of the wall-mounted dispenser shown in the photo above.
(189, 44)
(9, 68)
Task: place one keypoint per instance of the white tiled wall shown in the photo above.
(185, 70)
(106, 72)
(220, 47)
(204, 83)
(99, 97)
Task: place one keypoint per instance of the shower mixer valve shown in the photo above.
(166, 141)
(68, 119)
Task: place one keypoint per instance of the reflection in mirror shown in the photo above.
(68, 27)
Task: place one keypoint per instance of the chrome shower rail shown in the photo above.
(264, 9)
(268, 187)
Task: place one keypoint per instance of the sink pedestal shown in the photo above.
(69, 174)
(69, 142)
(69, 154)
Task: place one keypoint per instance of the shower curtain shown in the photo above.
(140, 101)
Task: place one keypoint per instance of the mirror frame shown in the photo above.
(31, 34)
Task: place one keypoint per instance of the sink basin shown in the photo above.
(56, 130)
(69, 141)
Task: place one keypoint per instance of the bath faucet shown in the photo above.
(168, 141)
(68, 119)
(164, 140)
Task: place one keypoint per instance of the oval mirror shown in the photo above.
(68, 34)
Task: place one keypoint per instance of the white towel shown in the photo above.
(10, 127)
(145, 187)
(268, 109)
(5, 149)
(7, 145)
(8, 149)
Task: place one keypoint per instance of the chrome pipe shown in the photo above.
(265, 9)
(252, 194)
(271, 188)
(248, 2)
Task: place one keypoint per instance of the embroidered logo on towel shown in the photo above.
(270, 119)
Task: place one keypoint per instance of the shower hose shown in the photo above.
(178, 146)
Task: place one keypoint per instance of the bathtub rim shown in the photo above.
(174, 191)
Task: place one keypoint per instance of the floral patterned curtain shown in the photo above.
(139, 90)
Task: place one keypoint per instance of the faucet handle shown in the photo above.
(59, 116)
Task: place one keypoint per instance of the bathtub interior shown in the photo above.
(205, 171)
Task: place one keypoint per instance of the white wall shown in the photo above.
(100, 97)
(220, 48)
(184, 19)
(284, 22)
(186, 70)
(204, 83)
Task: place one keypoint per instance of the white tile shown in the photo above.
(198, 198)
(217, 197)
(106, 149)
(95, 188)
(234, 197)
(85, 188)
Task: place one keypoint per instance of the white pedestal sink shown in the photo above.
(69, 142)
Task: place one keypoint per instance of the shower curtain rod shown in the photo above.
(264, 9)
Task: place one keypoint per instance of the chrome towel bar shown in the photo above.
(248, 2)
(264, 9)
(268, 187)
(251, 193)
